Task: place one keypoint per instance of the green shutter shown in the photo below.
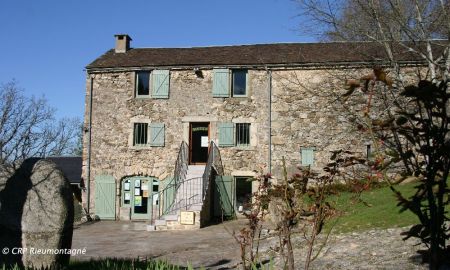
(221, 83)
(105, 197)
(167, 192)
(307, 156)
(224, 196)
(226, 134)
(160, 83)
(157, 133)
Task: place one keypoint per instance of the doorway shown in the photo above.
(199, 143)
(141, 195)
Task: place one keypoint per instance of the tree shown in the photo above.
(409, 124)
(28, 127)
(397, 25)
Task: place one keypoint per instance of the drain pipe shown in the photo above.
(269, 73)
(88, 173)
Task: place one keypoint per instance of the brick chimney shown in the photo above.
(122, 43)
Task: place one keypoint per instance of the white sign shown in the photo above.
(204, 141)
(187, 217)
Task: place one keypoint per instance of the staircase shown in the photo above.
(189, 193)
(188, 198)
(186, 192)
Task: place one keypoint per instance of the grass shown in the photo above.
(113, 264)
(380, 211)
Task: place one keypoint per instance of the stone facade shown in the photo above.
(289, 108)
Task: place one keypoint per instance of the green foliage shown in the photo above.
(412, 138)
(379, 210)
(113, 264)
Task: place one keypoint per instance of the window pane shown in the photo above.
(143, 83)
(140, 133)
(242, 134)
(239, 82)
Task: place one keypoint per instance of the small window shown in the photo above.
(368, 151)
(307, 156)
(140, 135)
(239, 83)
(143, 84)
(242, 134)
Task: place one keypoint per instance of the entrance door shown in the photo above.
(105, 196)
(199, 142)
(141, 195)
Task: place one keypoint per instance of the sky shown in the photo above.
(46, 44)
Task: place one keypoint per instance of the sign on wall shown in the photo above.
(187, 217)
(204, 141)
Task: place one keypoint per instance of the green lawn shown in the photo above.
(382, 211)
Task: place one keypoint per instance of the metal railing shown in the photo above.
(181, 193)
(181, 165)
(166, 197)
(214, 162)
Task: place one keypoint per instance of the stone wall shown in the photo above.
(190, 100)
(304, 114)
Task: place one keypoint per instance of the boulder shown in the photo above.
(36, 215)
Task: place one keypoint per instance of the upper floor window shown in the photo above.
(239, 83)
(154, 84)
(228, 82)
(143, 84)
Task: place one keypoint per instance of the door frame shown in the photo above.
(190, 141)
(150, 205)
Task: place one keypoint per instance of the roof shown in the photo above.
(251, 55)
(70, 166)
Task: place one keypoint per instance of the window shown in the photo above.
(143, 84)
(140, 135)
(224, 79)
(148, 134)
(154, 84)
(231, 134)
(242, 134)
(307, 156)
(239, 83)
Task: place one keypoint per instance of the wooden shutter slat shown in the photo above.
(157, 133)
(160, 83)
(226, 134)
(221, 83)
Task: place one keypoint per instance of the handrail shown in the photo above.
(214, 162)
(167, 196)
(181, 165)
(182, 193)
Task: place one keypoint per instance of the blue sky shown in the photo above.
(46, 44)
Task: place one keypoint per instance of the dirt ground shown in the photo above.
(213, 247)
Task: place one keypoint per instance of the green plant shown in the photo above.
(412, 138)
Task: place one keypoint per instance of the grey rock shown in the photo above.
(36, 214)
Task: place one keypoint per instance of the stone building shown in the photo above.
(238, 109)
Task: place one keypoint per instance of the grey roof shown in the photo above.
(70, 166)
(260, 54)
